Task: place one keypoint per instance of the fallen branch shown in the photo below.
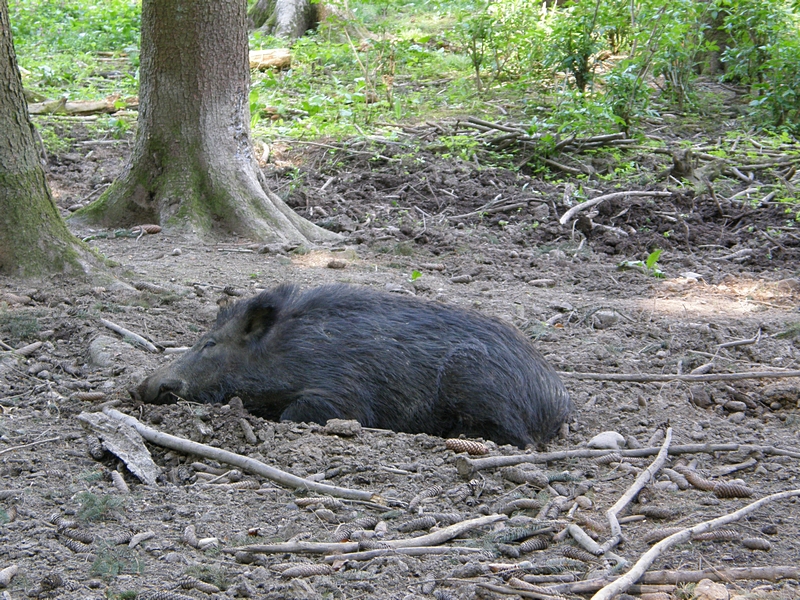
(468, 466)
(489, 211)
(272, 58)
(589, 203)
(498, 126)
(642, 480)
(552, 592)
(243, 462)
(7, 574)
(722, 470)
(771, 573)
(296, 547)
(508, 590)
(110, 104)
(431, 539)
(134, 337)
(583, 539)
(738, 255)
(747, 342)
(438, 537)
(623, 583)
(647, 378)
(13, 448)
(567, 169)
(409, 551)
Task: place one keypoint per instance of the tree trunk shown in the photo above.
(284, 18)
(34, 240)
(192, 166)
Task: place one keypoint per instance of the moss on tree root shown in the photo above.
(38, 241)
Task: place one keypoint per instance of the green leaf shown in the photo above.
(652, 259)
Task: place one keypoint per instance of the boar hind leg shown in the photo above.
(312, 408)
(473, 398)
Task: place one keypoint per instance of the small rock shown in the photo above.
(102, 349)
(666, 486)
(709, 590)
(691, 275)
(769, 530)
(632, 442)
(177, 252)
(343, 427)
(15, 298)
(562, 306)
(789, 286)
(735, 406)
(736, 417)
(699, 397)
(272, 249)
(175, 558)
(608, 440)
(603, 319)
(327, 515)
(336, 263)
(461, 279)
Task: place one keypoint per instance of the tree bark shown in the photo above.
(193, 167)
(288, 19)
(34, 239)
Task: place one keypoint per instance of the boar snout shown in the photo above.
(154, 391)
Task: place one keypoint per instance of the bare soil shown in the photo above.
(409, 225)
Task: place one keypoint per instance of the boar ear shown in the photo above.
(259, 319)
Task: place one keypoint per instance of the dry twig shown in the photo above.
(676, 577)
(652, 378)
(593, 202)
(248, 464)
(468, 466)
(134, 337)
(642, 480)
(647, 559)
(409, 551)
(14, 448)
(431, 539)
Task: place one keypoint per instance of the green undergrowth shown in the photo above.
(585, 67)
(77, 49)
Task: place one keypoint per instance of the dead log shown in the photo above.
(274, 58)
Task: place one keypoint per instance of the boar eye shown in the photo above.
(209, 344)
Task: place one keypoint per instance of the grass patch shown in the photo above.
(217, 576)
(112, 561)
(505, 59)
(97, 508)
(77, 49)
(17, 327)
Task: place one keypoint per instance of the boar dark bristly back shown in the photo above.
(388, 361)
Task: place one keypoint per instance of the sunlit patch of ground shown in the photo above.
(734, 295)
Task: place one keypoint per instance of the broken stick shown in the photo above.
(134, 337)
(648, 558)
(645, 477)
(243, 462)
(648, 378)
(594, 201)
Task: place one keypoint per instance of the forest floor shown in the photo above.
(451, 230)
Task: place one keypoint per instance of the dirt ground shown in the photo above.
(439, 228)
